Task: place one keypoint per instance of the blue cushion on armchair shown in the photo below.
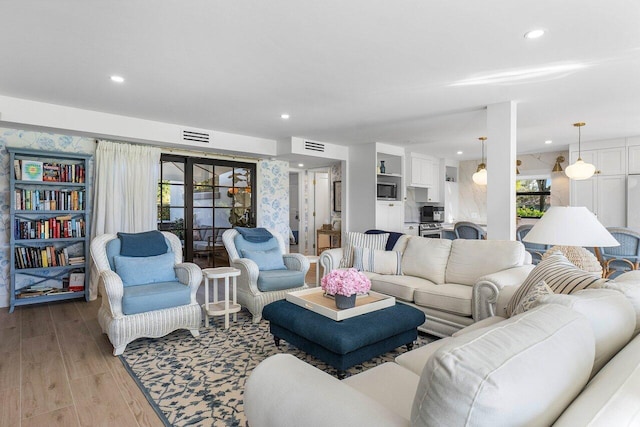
(155, 296)
(277, 280)
(270, 259)
(148, 243)
(143, 270)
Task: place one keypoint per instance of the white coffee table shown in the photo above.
(224, 307)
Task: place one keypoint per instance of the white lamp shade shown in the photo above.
(480, 177)
(570, 226)
(580, 170)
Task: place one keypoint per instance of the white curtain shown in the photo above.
(125, 191)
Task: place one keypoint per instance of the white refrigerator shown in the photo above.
(633, 202)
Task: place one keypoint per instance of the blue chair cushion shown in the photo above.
(135, 271)
(242, 244)
(145, 244)
(113, 249)
(256, 235)
(277, 280)
(270, 259)
(155, 296)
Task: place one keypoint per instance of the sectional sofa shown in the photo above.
(454, 282)
(571, 361)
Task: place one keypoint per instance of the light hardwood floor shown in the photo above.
(57, 369)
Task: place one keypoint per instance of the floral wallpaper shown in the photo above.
(273, 196)
(36, 141)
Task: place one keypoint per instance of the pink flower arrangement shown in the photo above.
(346, 282)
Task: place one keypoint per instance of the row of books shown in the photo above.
(73, 283)
(52, 228)
(32, 170)
(49, 200)
(49, 256)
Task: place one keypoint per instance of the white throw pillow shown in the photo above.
(361, 240)
(377, 261)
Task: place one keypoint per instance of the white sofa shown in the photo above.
(541, 367)
(454, 282)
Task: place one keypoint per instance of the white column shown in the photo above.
(501, 171)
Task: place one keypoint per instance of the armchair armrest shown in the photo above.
(189, 274)
(488, 289)
(248, 279)
(277, 394)
(330, 259)
(297, 262)
(111, 285)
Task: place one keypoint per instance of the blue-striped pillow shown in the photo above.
(377, 261)
(361, 240)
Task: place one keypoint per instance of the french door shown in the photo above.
(200, 198)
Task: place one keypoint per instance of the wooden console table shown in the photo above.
(327, 239)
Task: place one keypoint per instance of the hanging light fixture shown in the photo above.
(480, 177)
(558, 167)
(580, 170)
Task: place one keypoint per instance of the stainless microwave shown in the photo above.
(387, 191)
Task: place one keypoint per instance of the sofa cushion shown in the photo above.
(416, 359)
(530, 299)
(472, 259)
(361, 240)
(449, 297)
(270, 259)
(401, 287)
(631, 291)
(391, 241)
(470, 381)
(277, 280)
(426, 258)
(377, 261)
(143, 270)
(389, 384)
(611, 397)
(154, 296)
(560, 274)
(612, 318)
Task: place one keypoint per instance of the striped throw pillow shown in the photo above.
(560, 274)
(361, 240)
(377, 261)
(530, 299)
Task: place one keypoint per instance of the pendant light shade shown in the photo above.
(580, 170)
(480, 177)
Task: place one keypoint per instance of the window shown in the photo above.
(533, 197)
(198, 199)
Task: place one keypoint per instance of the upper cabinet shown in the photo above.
(424, 172)
(608, 161)
(634, 159)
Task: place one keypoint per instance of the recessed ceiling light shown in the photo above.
(534, 34)
(300, 165)
(548, 141)
(284, 116)
(117, 79)
(459, 152)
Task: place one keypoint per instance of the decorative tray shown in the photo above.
(315, 300)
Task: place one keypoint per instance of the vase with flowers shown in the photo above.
(345, 285)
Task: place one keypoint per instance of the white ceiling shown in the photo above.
(348, 72)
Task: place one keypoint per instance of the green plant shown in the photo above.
(529, 212)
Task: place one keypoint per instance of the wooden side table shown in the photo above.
(313, 259)
(334, 237)
(226, 306)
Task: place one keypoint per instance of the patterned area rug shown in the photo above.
(200, 381)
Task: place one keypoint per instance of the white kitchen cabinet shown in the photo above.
(424, 172)
(390, 215)
(608, 161)
(605, 196)
(634, 159)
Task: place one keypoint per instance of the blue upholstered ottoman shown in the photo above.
(348, 342)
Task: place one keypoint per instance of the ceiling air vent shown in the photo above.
(190, 135)
(314, 146)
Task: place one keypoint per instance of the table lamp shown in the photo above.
(570, 229)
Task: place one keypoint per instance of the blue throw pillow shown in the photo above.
(270, 259)
(144, 270)
(149, 243)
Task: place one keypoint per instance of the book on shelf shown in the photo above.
(51, 172)
(76, 282)
(17, 167)
(31, 170)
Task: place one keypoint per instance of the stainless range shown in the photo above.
(430, 229)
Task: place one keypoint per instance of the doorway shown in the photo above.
(295, 223)
(319, 204)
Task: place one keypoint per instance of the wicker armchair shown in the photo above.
(536, 250)
(124, 328)
(469, 230)
(619, 259)
(249, 294)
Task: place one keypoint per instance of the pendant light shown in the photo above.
(480, 177)
(580, 170)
